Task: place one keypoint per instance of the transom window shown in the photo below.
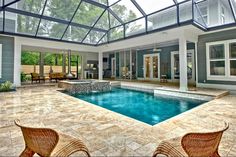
(221, 60)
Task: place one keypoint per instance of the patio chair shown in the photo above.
(36, 77)
(47, 142)
(192, 144)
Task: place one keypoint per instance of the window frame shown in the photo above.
(227, 59)
(231, 59)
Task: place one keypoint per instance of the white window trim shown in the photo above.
(0, 60)
(227, 76)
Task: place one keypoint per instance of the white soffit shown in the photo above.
(189, 31)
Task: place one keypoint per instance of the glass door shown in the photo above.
(151, 66)
(175, 69)
(155, 66)
(113, 67)
(147, 71)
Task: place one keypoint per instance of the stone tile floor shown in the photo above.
(104, 132)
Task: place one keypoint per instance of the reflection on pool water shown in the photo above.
(142, 106)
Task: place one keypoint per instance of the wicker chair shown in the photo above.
(47, 142)
(192, 144)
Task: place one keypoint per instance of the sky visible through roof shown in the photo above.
(97, 21)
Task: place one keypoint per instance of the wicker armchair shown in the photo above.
(47, 142)
(192, 144)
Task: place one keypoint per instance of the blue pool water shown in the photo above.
(142, 106)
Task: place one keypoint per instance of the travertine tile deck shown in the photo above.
(104, 132)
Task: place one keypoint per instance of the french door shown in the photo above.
(175, 69)
(151, 66)
(113, 67)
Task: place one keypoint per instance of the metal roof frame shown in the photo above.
(7, 8)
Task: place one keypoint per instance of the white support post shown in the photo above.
(17, 62)
(183, 64)
(130, 63)
(100, 65)
(196, 64)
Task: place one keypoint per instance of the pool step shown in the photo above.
(198, 94)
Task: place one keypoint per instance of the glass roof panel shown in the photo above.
(101, 1)
(135, 27)
(61, 9)
(126, 10)
(151, 6)
(6, 1)
(10, 22)
(93, 37)
(234, 6)
(163, 18)
(103, 40)
(110, 2)
(87, 14)
(226, 15)
(33, 6)
(201, 13)
(113, 21)
(76, 34)
(180, 1)
(116, 33)
(25, 24)
(1, 21)
(51, 29)
(103, 22)
(185, 11)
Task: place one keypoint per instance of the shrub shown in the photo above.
(6, 86)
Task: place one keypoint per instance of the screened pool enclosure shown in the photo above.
(96, 22)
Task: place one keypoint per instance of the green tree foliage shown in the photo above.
(29, 24)
(29, 58)
(64, 9)
(33, 58)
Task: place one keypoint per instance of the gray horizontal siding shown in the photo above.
(165, 59)
(202, 67)
(7, 58)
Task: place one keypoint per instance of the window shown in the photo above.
(221, 57)
(222, 15)
(217, 60)
(232, 58)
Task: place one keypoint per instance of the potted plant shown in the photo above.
(6, 87)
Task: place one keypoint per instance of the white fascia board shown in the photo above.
(56, 45)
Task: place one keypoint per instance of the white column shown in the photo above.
(130, 63)
(17, 62)
(100, 65)
(183, 84)
(196, 64)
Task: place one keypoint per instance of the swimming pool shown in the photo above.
(142, 106)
